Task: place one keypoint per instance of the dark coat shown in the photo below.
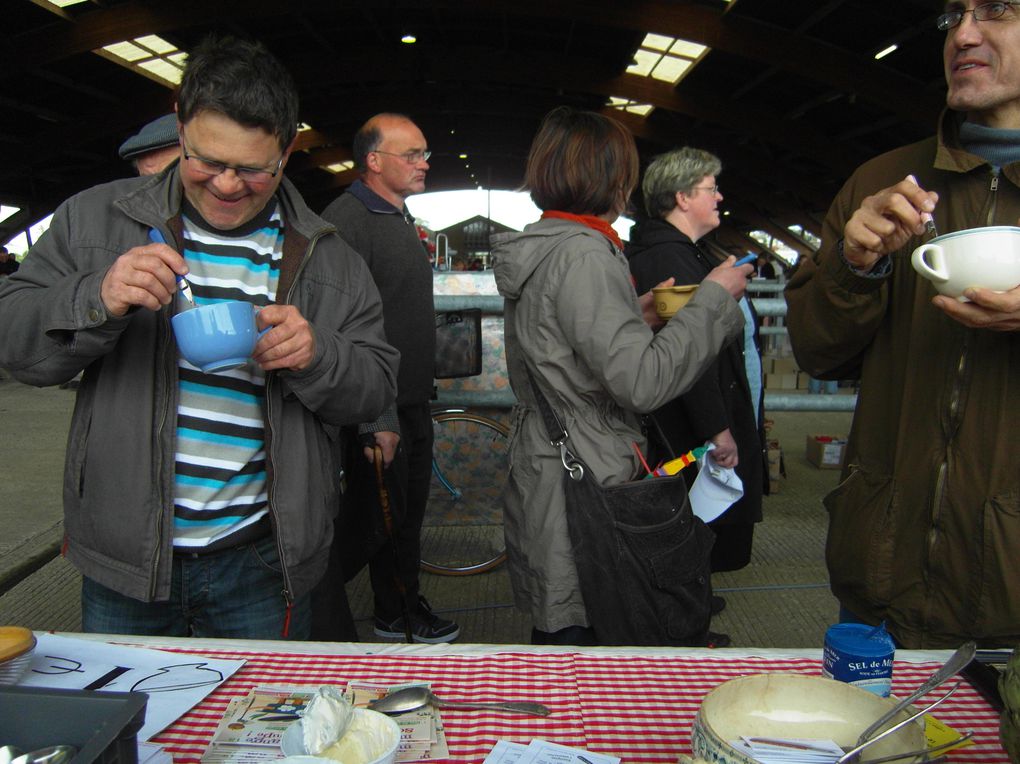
(721, 398)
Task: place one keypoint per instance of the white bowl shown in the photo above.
(293, 742)
(793, 706)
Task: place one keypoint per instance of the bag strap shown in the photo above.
(558, 435)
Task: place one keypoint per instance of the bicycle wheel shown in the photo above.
(463, 529)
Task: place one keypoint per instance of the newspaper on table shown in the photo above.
(544, 752)
(252, 727)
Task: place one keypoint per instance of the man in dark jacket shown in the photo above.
(372, 217)
(202, 503)
(924, 527)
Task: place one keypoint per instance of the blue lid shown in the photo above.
(860, 639)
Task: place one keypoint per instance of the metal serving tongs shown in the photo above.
(957, 662)
(852, 754)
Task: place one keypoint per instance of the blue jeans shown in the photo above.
(828, 386)
(236, 593)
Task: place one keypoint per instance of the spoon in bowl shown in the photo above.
(413, 698)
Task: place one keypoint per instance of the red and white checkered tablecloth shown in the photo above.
(639, 708)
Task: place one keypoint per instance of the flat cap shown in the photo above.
(157, 134)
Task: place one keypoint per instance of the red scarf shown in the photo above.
(591, 221)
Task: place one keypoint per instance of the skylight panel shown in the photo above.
(127, 51)
(338, 167)
(670, 69)
(149, 55)
(644, 62)
(156, 44)
(666, 58)
(630, 106)
(162, 69)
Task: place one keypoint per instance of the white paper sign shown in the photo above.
(174, 682)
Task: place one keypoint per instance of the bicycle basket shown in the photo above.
(458, 343)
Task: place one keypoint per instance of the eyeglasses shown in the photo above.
(212, 168)
(983, 12)
(712, 189)
(411, 157)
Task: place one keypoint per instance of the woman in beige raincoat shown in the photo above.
(574, 320)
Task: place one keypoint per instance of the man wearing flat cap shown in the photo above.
(153, 147)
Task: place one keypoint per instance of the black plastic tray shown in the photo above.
(102, 725)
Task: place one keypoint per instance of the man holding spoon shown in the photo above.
(923, 529)
(201, 503)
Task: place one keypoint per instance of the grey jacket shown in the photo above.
(572, 318)
(119, 473)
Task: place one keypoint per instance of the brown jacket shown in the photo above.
(924, 530)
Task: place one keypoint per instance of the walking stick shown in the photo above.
(384, 502)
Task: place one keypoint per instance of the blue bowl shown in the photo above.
(218, 336)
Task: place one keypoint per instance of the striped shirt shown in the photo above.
(220, 485)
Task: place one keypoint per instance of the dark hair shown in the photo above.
(243, 81)
(369, 137)
(581, 162)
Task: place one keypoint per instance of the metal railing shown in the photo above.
(771, 307)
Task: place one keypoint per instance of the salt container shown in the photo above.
(860, 655)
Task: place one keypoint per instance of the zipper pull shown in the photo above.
(995, 183)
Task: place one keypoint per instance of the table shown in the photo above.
(636, 703)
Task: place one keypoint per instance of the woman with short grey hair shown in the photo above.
(678, 170)
(724, 406)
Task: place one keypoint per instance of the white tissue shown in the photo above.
(326, 719)
(368, 738)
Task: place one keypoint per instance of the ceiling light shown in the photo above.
(65, 3)
(461, 156)
(408, 39)
(886, 51)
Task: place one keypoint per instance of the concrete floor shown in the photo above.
(780, 600)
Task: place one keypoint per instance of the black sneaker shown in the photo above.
(426, 626)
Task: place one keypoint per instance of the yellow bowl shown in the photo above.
(793, 706)
(17, 645)
(668, 300)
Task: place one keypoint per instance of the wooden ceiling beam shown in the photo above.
(771, 45)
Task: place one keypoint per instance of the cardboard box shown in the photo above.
(826, 451)
(784, 366)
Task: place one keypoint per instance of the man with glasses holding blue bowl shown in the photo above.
(925, 527)
(202, 504)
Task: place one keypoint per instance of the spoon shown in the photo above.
(957, 662)
(853, 753)
(413, 698)
(182, 283)
(54, 754)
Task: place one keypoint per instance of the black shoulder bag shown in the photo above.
(642, 556)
